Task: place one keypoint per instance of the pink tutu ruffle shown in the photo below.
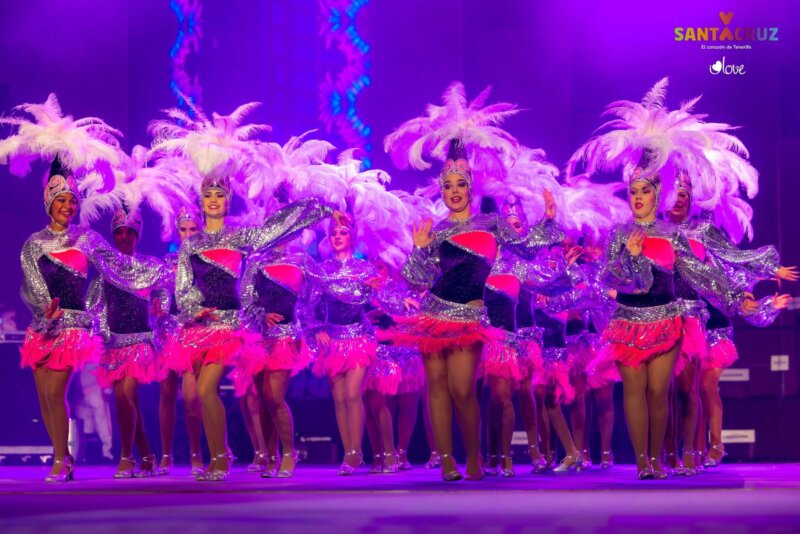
(384, 376)
(499, 360)
(581, 353)
(632, 344)
(602, 370)
(276, 354)
(72, 348)
(343, 355)
(694, 346)
(412, 371)
(530, 359)
(241, 381)
(721, 355)
(431, 335)
(555, 377)
(202, 344)
(134, 361)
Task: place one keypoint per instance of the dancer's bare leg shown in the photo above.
(462, 365)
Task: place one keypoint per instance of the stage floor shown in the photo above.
(738, 498)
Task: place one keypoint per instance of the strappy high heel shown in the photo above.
(289, 473)
(126, 473)
(538, 461)
(606, 460)
(450, 476)
(163, 470)
(491, 468)
(711, 462)
(143, 472)
(271, 469)
(646, 472)
(347, 469)
(675, 466)
(393, 468)
(377, 464)
(506, 472)
(197, 471)
(257, 465)
(62, 475)
(658, 470)
(569, 463)
(435, 460)
(584, 461)
(690, 470)
(403, 463)
(219, 475)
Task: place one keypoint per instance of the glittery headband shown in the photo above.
(459, 167)
(130, 219)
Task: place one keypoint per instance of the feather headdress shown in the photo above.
(472, 124)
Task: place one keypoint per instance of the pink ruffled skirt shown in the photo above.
(602, 370)
(72, 348)
(202, 344)
(412, 371)
(500, 359)
(531, 363)
(555, 378)
(133, 361)
(342, 355)
(384, 375)
(722, 351)
(275, 354)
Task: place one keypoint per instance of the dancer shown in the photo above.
(272, 286)
(129, 359)
(55, 260)
(650, 324)
(168, 331)
(346, 345)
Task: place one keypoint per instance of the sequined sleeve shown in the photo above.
(543, 234)
(748, 266)
(391, 298)
(622, 270)
(422, 267)
(284, 225)
(187, 295)
(765, 315)
(124, 271)
(707, 279)
(546, 276)
(252, 314)
(96, 306)
(34, 289)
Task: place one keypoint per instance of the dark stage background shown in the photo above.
(561, 61)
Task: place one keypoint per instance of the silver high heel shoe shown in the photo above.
(659, 473)
(402, 456)
(377, 464)
(197, 471)
(66, 473)
(506, 472)
(219, 475)
(452, 475)
(163, 470)
(711, 462)
(271, 469)
(347, 469)
(539, 463)
(645, 473)
(569, 463)
(143, 472)
(584, 460)
(606, 460)
(395, 467)
(256, 466)
(289, 473)
(126, 473)
(434, 461)
(492, 470)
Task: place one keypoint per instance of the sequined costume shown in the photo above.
(744, 269)
(209, 269)
(397, 368)
(502, 292)
(275, 281)
(56, 265)
(454, 269)
(338, 305)
(587, 317)
(650, 319)
(123, 319)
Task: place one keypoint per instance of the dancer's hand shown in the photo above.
(52, 312)
(411, 303)
(789, 274)
(323, 339)
(550, 208)
(781, 302)
(271, 319)
(573, 254)
(635, 242)
(612, 293)
(155, 308)
(748, 306)
(423, 236)
(206, 314)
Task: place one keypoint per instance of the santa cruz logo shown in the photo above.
(728, 33)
